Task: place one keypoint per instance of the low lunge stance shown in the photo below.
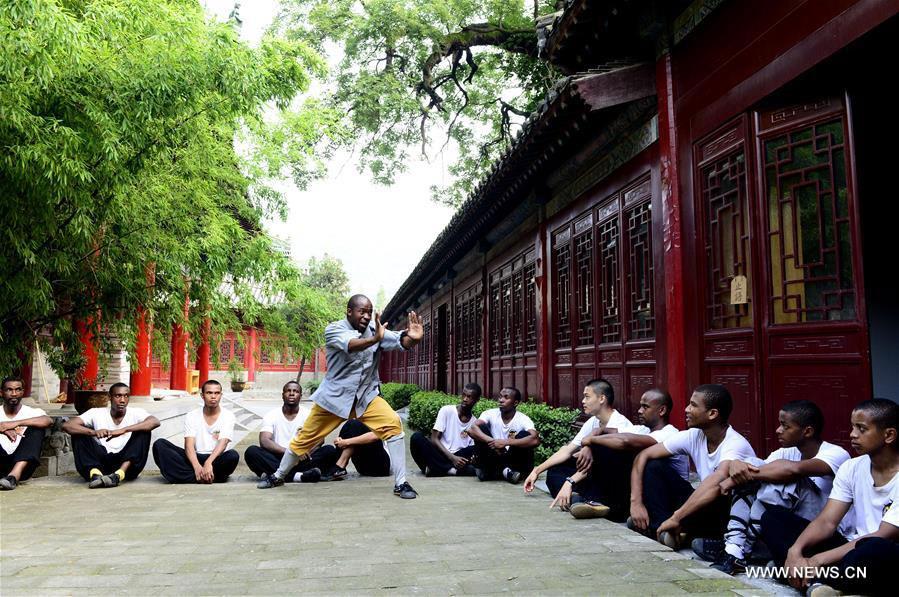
(351, 389)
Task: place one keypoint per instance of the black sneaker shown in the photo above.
(466, 471)
(313, 475)
(511, 476)
(269, 481)
(110, 480)
(481, 474)
(405, 491)
(335, 473)
(95, 482)
(710, 550)
(8, 483)
(730, 565)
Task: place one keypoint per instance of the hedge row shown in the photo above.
(553, 424)
(398, 395)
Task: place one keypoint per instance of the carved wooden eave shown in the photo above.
(578, 107)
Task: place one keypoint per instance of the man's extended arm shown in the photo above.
(633, 442)
(819, 530)
(561, 455)
(707, 492)
(457, 461)
(476, 433)
(531, 441)
(777, 471)
(365, 438)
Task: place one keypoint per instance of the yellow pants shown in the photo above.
(378, 417)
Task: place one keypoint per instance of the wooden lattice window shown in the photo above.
(530, 307)
(638, 221)
(495, 317)
(583, 255)
(726, 216)
(562, 287)
(809, 234)
(609, 237)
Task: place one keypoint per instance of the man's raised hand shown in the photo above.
(416, 330)
(380, 328)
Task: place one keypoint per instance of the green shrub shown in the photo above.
(310, 385)
(553, 424)
(398, 395)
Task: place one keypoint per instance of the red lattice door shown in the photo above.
(783, 313)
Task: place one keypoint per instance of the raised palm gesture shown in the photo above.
(415, 331)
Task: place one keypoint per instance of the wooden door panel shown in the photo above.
(740, 382)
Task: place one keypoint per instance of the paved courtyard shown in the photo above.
(459, 537)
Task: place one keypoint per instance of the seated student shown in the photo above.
(111, 445)
(449, 449)
(279, 426)
(22, 431)
(869, 486)
(663, 504)
(797, 477)
(207, 433)
(613, 458)
(358, 442)
(504, 440)
(568, 468)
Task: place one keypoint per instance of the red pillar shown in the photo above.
(179, 370)
(87, 377)
(141, 373)
(203, 352)
(250, 354)
(672, 238)
(25, 370)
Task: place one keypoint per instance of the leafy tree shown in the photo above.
(118, 122)
(418, 74)
(327, 275)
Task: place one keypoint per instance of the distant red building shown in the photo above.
(707, 198)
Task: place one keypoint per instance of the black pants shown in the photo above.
(493, 463)
(664, 491)
(427, 455)
(261, 461)
(89, 455)
(609, 481)
(371, 459)
(174, 466)
(28, 450)
(780, 528)
(877, 556)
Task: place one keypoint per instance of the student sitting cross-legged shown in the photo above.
(568, 470)
(22, 431)
(111, 444)
(207, 433)
(867, 489)
(504, 440)
(612, 458)
(663, 504)
(797, 477)
(449, 449)
(279, 426)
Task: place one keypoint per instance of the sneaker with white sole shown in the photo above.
(269, 481)
(589, 509)
(511, 476)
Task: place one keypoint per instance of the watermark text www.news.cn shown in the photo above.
(810, 572)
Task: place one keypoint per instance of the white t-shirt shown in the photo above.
(207, 436)
(854, 485)
(616, 421)
(282, 430)
(25, 412)
(454, 433)
(694, 444)
(100, 418)
(501, 430)
(891, 516)
(832, 454)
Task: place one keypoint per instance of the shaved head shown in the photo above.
(357, 300)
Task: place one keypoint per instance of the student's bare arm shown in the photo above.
(638, 510)
(820, 529)
(267, 443)
(633, 442)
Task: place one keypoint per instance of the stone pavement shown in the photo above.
(459, 537)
